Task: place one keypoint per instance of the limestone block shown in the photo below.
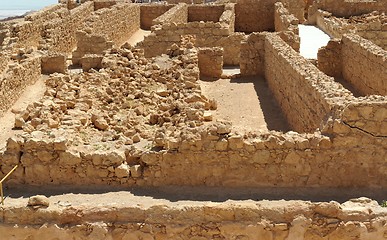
(54, 63)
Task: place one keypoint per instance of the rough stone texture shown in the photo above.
(211, 62)
(16, 78)
(205, 13)
(149, 12)
(90, 61)
(329, 58)
(275, 220)
(296, 7)
(370, 26)
(345, 8)
(54, 63)
(282, 62)
(364, 65)
(254, 16)
(283, 20)
(177, 14)
(232, 48)
(90, 44)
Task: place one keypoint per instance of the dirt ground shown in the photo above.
(245, 101)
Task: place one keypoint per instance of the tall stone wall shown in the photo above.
(149, 12)
(345, 8)
(364, 65)
(313, 92)
(254, 16)
(177, 14)
(16, 78)
(206, 13)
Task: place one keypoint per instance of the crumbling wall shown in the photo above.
(207, 35)
(314, 93)
(98, 4)
(345, 8)
(149, 12)
(206, 13)
(90, 44)
(329, 58)
(296, 7)
(16, 78)
(283, 20)
(364, 65)
(254, 16)
(177, 14)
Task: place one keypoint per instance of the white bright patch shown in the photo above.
(312, 38)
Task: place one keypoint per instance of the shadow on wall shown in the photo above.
(272, 112)
(214, 194)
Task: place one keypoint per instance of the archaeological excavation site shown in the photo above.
(188, 119)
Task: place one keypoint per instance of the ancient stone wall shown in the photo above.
(61, 34)
(149, 12)
(117, 23)
(345, 8)
(207, 34)
(186, 1)
(359, 218)
(296, 7)
(206, 13)
(232, 48)
(28, 33)
(210, 62)
(283, 20)
(254, 16)
(364, 65)
(329, 58)
(16, 78)
(313, 92)
(177, 14)
(370, 26)
(228, 17)
(98, 4)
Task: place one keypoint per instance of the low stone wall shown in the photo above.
(232, 48)
(16, 78)
(364, 65)
(254, 16)
(177, 14)
(149, 12)
(283, 20)
(206, 13)
(314, 93)
(360, 218)
(345, 8)
(207, 35)
(98, 4)
(329, 58)
(90, 44)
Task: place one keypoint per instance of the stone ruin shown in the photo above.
(126, 142)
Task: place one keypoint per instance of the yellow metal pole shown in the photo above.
(5, 177)
(2, 195)
(1, 184)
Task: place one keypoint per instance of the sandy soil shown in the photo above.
(246, 102)
(7, 121)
